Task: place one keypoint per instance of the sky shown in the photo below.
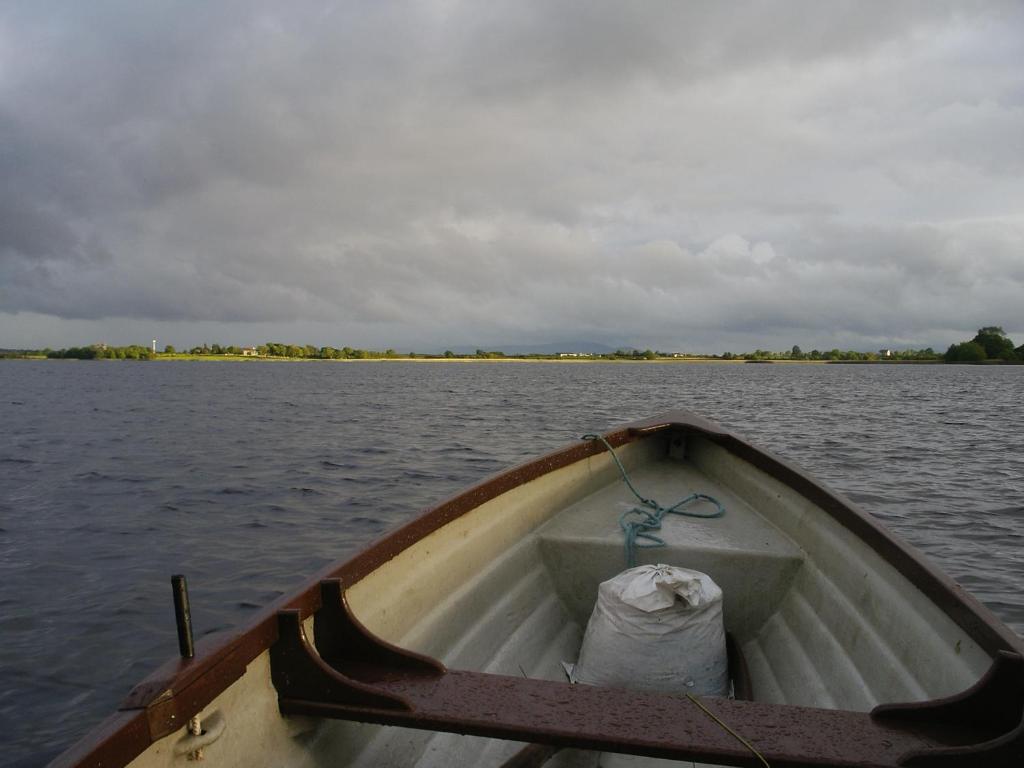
(682, 176)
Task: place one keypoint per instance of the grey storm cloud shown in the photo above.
(690, 175)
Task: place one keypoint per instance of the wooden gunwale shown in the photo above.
(180, 688)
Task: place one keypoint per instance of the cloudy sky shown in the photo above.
(699, 176)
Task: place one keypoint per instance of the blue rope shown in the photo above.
(648, 517)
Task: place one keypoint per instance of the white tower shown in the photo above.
(154, 346)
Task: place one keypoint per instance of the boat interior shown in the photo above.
(820, 618)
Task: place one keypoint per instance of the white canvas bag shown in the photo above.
(656, 628)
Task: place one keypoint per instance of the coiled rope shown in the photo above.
(639, 522)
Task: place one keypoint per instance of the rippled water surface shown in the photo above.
(250, 476)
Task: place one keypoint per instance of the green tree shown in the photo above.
(967, 352)
(168, 349)
(993, 340)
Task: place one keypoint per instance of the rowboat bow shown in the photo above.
(442, 643)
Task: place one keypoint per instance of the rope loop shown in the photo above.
(639, 521)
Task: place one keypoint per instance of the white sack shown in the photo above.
(656, 628)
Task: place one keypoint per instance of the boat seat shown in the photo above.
(748, 557)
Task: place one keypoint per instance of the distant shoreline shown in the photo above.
(510, 359)
(990, 346)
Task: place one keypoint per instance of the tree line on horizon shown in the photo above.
(94, 352)
(311, 352)
(990, 343)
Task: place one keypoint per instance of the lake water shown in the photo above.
(248, 477)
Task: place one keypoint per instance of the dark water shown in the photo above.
(248, 477)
